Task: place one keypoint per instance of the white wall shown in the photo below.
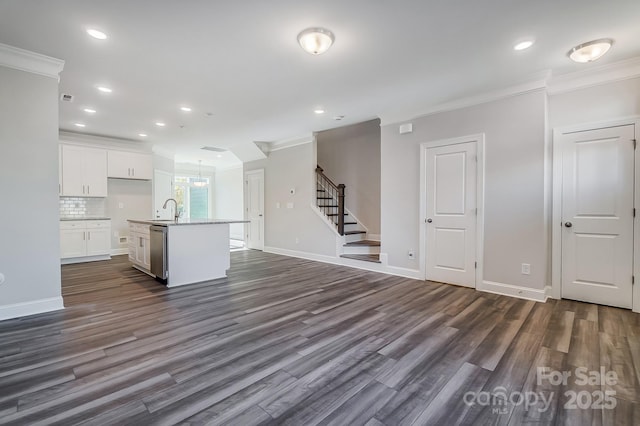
(285, 169)
(229, 200)
(29, 228)
(351, 155)
(515, 229)
(135, 198)
(604, 102)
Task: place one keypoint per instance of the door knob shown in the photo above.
(429, 220)
(568, 224)
(260, 215)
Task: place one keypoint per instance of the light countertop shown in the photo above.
(84, 218)
(187, 222)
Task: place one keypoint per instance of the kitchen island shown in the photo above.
(185, 252)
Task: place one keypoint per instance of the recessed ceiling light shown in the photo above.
(590, 51)
(316, 40)
(142, 135)
(96, 34)
(160, 124)
(319, 111)
(185, 109)
(104, 89)
(219, 155)
(525, 44)
(90, 111)
(79, 125)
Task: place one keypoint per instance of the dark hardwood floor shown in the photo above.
(291, 341)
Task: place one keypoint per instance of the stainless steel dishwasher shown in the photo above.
(159, 264)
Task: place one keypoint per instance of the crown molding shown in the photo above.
(132, 145)
(290, 143)
(24, 60)
(483, 98)
(594, 76)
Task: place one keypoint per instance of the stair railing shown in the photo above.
(331, 191)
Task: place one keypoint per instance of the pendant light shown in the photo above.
(200, 182)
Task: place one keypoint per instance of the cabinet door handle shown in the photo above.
(84, 236)
(133, 172)
(83, 189)
(128, 172)
(89, 235)
(88, 189)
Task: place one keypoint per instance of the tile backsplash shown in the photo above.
(78, 207)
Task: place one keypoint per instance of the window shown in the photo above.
(192, 195)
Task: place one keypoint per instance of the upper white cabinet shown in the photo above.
(129, 165)
(84, 171)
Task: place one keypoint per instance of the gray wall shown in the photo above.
(604, 102)
(351, 155)
(515, 229)
(29, 229)
(285, 169)
(229, 200)
(135, 196)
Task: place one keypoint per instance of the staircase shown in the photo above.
(330, 200)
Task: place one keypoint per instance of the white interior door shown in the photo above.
(451, 213)
(162, 190)
(597, 215)
(254, 184)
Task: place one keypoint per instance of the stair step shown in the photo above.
(336, 214)
(324, 198)
(354, 232)
(327, 205)
(370, 243)
(351, 223)
(321, 190)
(375, 258)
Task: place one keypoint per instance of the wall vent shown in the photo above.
(213, 148)
(65, 97)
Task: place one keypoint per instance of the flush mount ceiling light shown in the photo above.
(142, 135)
(524, 44)
(104, 89)
(316, 40)
(319, 111)
(590, 51)
(185, 109)
(96, 34)
(89, 111)
(80, 125)
(160, 124)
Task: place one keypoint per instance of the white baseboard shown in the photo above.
(83, 259)
(367, 266)
(374, 237)
(119, 251)
(514, 291)
(31, 308)
(548, 292)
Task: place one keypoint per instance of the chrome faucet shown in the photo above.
(176, 215)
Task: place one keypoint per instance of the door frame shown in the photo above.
(246, 205)
(479, 141)
(556, 220)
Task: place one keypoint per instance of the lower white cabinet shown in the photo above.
(140, 246)
(85, 240)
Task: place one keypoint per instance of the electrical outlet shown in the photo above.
(411, 254)
(289, 205)
(121, 205)
(277, 205)
(1, 278)
(297, 240)
(526, 269)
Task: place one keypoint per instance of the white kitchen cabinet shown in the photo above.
(129, 165)
(140, 246)
(84, 171)
(85, 240)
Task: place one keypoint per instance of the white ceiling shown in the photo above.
(240, 60)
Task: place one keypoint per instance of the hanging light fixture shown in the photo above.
(200, 182)
(590, 51)
(316, 40)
